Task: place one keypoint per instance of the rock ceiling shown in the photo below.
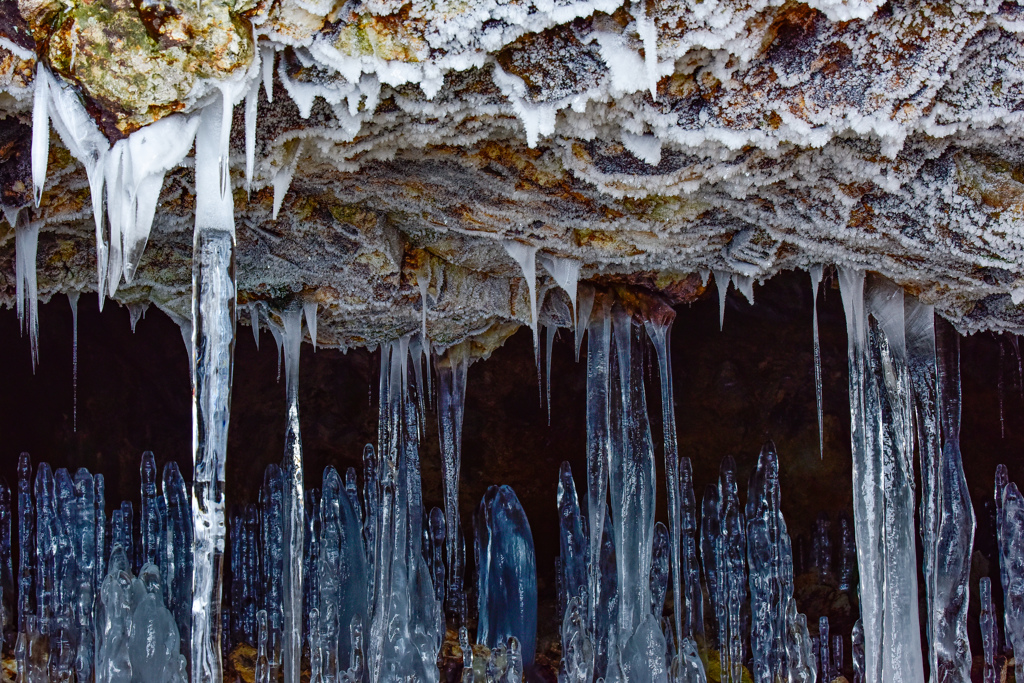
(652, 141)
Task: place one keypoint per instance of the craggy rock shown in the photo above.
(653, 142)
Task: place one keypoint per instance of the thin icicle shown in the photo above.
(294, 514)
(251, 101)
(26, 241)
(309, 311)
(526, 256)
(586, 306)
(254, 317)
(267, 55)
(40, 131)
(73, 300)
(423, 282)
(549, 340)
(722, 280)
(648, 33)
(816, 273)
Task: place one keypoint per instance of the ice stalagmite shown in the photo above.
(177, 560)
(213, 341)
(1011, 537)
(26, 527)
(272, 559)
(987, 620)
(342, 574)
(730, 560)
(693, 626)
(765, 552)
(451, 397)
(572, 539)
(947, 517)
(84, 583)
(293, 526)
(883, 484)
(507, 573)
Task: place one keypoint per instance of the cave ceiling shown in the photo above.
(655, 142)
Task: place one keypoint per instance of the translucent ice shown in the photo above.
(506, 571)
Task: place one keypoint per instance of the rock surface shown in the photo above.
(652, 142)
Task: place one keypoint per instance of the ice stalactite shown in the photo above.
(506, 573)
(452, 368)
(213, 342)
(73, 300)
(883, 484)
(816, 273)
(526, 256)
(26, 240)
(947, 516)
(566, 272)
(40, 131)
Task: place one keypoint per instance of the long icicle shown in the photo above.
(660, 333)
(816, 273)
(294, 514)
(213, 341)
(73, 300)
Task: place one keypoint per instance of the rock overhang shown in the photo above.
(400, 144)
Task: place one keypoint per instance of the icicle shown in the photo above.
(549, 340)
(1001, 382)
(566, 272)
(213, 336)
(816, 273)
(648, 33)
(251, 102)
(722, 280)
(309, 312)
(136, 312)
(254, 321)
(423, 283)
(26, 239)
(507, 573)
(40, 131)
(451, 396)
(526, 256)
(745, 286)
(267, 56)
(291, 646)
(586, 306)
(73, 300)
(283, 177)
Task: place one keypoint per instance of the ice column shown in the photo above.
(883, 483)
(294, 519)
(947, 516)
(598, 447)
(451, 397)
(213, 339)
